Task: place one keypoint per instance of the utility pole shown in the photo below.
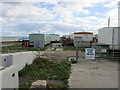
(76, 53)
(108, 21)
(39, 32)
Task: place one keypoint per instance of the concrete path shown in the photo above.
(94, 74)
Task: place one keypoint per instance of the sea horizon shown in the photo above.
(11, 38)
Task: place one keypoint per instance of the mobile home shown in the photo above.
(109, 36)
(40, 40)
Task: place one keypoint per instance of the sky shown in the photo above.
(63, 17)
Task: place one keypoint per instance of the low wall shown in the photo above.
(14, 62)
(23, 58)
(20, 59)
(5, 60)
(9, 77)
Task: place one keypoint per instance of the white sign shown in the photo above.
(90, 53)
(103, 50)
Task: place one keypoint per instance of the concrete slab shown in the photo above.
(94, 74)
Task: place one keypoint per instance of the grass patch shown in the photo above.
(19, 48)
(16, 45)
(44, 69)
(27, 49)
(11, 42)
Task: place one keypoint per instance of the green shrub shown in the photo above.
(42, 68)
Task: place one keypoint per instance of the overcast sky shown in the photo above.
(60, 17)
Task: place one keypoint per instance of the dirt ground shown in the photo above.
(58, 54)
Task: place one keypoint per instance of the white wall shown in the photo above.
(85, 37)
(105, 36)
(5, 60)
(119, 23)
(119, 37)
(20, 59)
(51, 37)
(55, 37)
(23, 58)
(13, 63)
(9, 77)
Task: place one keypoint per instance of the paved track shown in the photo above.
(94, 74)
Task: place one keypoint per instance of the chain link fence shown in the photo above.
(102, 51)
(111, 51)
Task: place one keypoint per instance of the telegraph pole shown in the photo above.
(39, 32)
(76, 53)
(108, 21)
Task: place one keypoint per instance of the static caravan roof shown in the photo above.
(83, 33)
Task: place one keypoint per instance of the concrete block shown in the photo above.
(9, 77)
(5, 60)
(23, 58)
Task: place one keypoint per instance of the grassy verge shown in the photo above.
(16, 45)
(56, 73)
(11, 42)
(19, 48)
(73, 48)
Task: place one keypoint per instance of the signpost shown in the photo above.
(90, 53)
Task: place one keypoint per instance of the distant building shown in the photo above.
(40, 40)
(82, 39)
(109, 36)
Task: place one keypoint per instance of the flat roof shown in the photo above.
(83, 33)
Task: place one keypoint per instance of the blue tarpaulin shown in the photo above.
(25, 38)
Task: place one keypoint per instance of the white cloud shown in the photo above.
(113, 14)
(10, 33)
(2, 20)
(25, 11)
(67, 12)
(119, 15)
(97, 13)
(14, 13)
(112, 4)
(53, 1)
